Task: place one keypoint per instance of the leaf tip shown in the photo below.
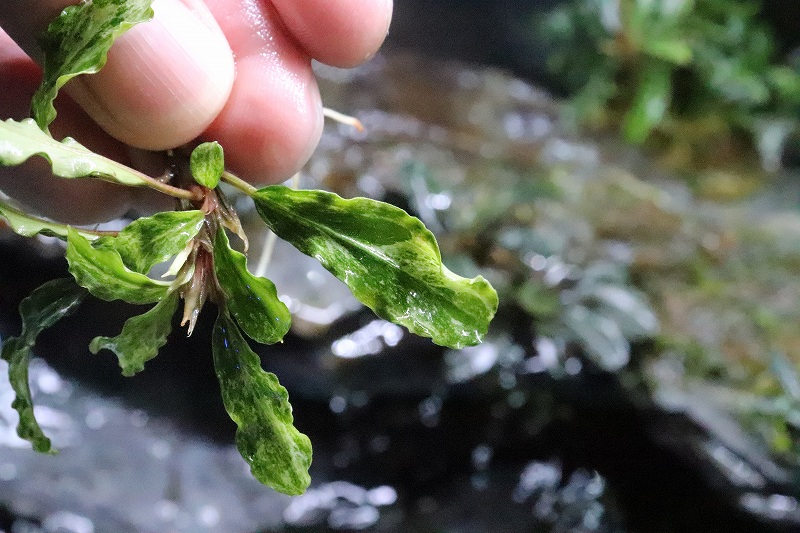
(95, 346)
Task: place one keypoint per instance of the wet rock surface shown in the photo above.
(615, 392)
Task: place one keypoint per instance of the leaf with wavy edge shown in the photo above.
(141, 336)
(278, 454)
(69, 159)
(253, 301)
(77, 42)
(104, 274)
(388, 258)
(150, 240)
(41, 309)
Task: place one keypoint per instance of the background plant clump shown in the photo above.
(701, 79)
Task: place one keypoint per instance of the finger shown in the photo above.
(273, 118)
(164, 81)
(80, 201)
(75, 201)
(343, 33)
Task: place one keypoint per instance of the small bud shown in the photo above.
(207, 163)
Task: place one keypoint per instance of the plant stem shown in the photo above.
(98, 232)
(160, 186)
(239, 183)
(175, 192)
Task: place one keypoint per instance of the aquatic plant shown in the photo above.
(699, 77)
(388, 259)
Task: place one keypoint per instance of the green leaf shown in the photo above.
(68, 158)
(278, 454)
(41, 309)
(786, 82)
(105, 275)
(388, 258)
(77, 42)
(252, 300)
(207, 163)
(650, 105)
(674, 51)
(141, 336)
(736, 82)
(150, 240)
(28, 225)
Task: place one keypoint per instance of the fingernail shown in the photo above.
(165, 80)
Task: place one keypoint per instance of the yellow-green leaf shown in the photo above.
(41, 309)
(388, 258)
(252, 300)
(29, 225)
(141, 336)
(77, 42)
(278, 454)
(69, 159)
(104, 274)
(207, 163)
(150, 240)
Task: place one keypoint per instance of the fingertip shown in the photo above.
(271, 124)
(342, 33)
(165, 81)
(80, 201)
(19, 77)
(74, 201)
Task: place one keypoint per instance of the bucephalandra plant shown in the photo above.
(388, 258)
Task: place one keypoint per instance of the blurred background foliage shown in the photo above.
(703, 80)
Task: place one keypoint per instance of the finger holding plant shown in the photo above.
(388, 258)
(226, 70)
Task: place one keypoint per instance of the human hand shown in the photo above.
(235, 71)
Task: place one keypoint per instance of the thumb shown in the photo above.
(165, 81)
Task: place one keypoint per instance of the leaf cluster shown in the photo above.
(388, 258)
(676, 69)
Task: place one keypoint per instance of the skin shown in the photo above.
(235, 71)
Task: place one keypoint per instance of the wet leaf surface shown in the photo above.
(28, 225)
(141, 336)
(104, 274)
(77, 42)
(252, 300)
(389, 260)
(207, 163)
(278, 454)
(68, 158)
(154, 239)
(44, 307)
